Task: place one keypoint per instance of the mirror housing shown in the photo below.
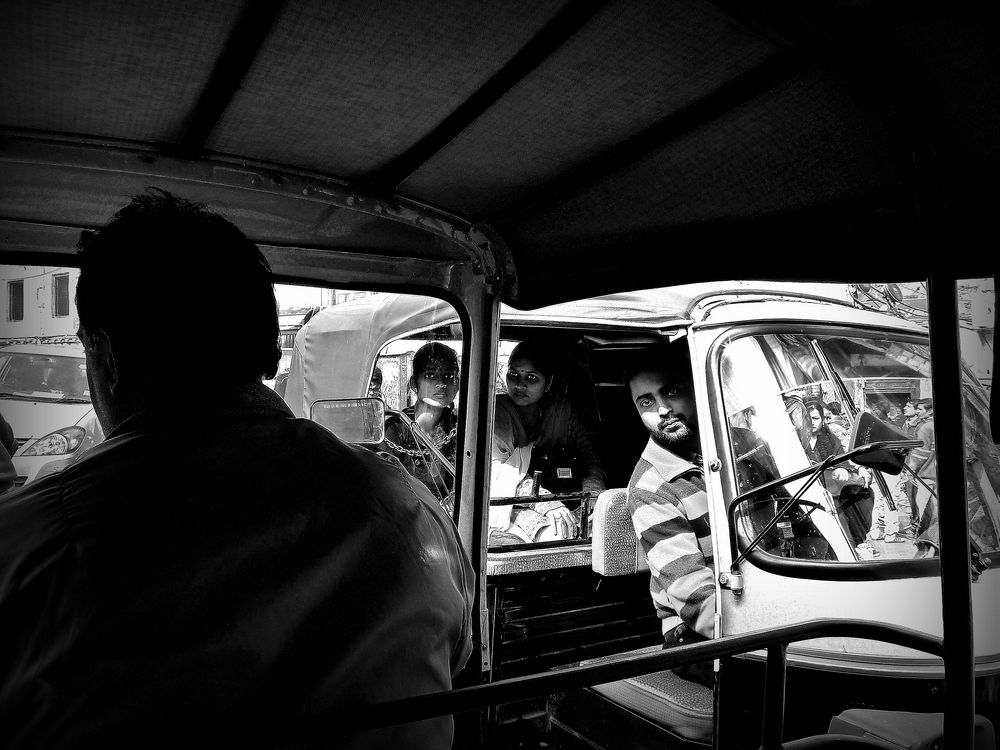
(360, 421)
(870, 429)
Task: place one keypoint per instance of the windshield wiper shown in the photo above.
(813, 473)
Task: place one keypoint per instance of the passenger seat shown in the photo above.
(657, 703)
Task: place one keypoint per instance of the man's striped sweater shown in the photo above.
(669, 507)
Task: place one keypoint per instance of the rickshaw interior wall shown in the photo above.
(497, 159)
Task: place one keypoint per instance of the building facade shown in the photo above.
(38, 301)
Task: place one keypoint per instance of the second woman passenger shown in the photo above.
(530, 420)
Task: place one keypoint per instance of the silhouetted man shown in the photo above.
(216, 568)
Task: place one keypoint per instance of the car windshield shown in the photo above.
(792, 400)
(44, 376)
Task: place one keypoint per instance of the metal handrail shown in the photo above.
(416, 708)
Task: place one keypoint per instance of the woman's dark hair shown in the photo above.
(820, 407)
(429, 351)
(538, 355)
(165, 273)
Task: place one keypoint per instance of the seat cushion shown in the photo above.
(616, 550)
(680, 705)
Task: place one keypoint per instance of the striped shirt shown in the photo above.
(669, 507)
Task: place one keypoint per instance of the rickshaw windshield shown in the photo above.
(792, 400)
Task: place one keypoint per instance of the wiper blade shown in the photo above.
(826, 464)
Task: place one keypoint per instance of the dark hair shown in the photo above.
(539, 356)
(927, 403)
(818, 406)
(423, 355)
(203, 270)
(673, 360)
(834, 408)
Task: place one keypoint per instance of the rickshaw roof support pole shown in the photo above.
(956, 585)
(774, 697)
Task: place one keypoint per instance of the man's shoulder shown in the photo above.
(31, 516)
(647, 480)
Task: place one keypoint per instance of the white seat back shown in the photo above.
(616, 548)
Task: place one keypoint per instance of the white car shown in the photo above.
(45, 398)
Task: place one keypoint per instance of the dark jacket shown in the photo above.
(202, 577)
(826, 445)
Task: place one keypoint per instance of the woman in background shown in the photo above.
(435, 383)
(529, 420)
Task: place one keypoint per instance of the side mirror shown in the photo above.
(353, 420)
(870, 429)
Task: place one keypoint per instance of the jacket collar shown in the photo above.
(252, 400)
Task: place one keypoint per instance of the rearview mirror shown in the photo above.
(870, 429)
(353, 420)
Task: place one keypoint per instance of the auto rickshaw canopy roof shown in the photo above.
(576, 144)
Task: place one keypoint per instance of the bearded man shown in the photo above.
(668, 504)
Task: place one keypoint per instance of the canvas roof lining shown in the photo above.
(555, 119)
(804, 143)
(102, 66)
(137, 76)
(365, 114)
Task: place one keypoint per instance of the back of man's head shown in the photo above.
(170, 285)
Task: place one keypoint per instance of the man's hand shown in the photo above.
(563, 522)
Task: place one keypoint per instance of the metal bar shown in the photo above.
(956, 585)
(480, 352)
(327, 725)
(72, 157)
(995, 392)
(564, 24)
(774, 698)
(528, 499)
(237, 56)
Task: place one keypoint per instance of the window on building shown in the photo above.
(60, 295)
(15, 300)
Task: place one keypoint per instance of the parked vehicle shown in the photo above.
(534, 154)
(46, 400)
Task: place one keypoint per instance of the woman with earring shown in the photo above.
(528, 419)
